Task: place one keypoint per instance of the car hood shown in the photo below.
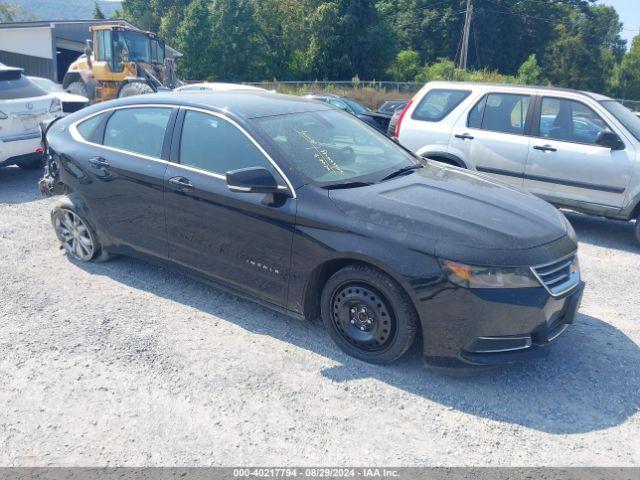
(459, 215)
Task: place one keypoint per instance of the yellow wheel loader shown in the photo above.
(121, 61)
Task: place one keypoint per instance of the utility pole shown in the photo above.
(464, 52)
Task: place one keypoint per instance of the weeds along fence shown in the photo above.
(408, 88)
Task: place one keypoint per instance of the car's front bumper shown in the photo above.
(489, 327)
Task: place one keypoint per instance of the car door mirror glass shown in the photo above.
(610, 140)
(253, 180)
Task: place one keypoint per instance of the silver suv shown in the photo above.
(578, 150)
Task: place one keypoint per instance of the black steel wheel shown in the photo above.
(368, 314)
(362, 316)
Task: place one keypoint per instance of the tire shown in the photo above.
(78, 88)
(135, 88)
(32, 164)
(368, 315)
(75, 234)
(636, 230)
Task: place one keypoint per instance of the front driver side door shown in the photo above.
(566, 166)
(243, 239)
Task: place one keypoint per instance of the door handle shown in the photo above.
(545, 148)
(182, 183)
(464, 136)
(98, 162)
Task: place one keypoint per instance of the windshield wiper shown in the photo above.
(336, 186)
(401, 171)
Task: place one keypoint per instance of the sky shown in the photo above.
(629, 11)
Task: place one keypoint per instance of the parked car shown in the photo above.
(390, 106)
(70, 102)
(305, 209)
(215, 87)
(379, 121)
(578, 150)
(393, 122)
(22, 106)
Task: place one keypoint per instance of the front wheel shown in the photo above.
(368, 314)
(134, 88)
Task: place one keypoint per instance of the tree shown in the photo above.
(406, 66)
(8, 12)
(628, 74)
(193, 39)
(529, 72)
(97, 12)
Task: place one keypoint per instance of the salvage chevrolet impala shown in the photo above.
(308, 210)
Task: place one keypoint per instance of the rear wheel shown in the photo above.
(637, 229)
(368, 314)
(32, 164)
(78, 88)
(135, 88)
(75, 234)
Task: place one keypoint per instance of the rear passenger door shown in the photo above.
(125, 158)
(492, 137)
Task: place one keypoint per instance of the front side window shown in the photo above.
(330, 147)
(437, 104)
(569, 121)
(500, 112)
(213, 144)
(138, 130)
(340, 104)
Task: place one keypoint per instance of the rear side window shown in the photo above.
(211, 143)
(500, 112)
(91, 129)
(437, 104)
(14, 85)
(569, 121)
(138, 130)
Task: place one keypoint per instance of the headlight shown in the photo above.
(570, 231)
(470, 276)
(56, 106)
(3, 116)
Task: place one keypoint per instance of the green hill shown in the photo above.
(63, 9)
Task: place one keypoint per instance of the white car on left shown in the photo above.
(23, 105)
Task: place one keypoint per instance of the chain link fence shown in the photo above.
(318, 86)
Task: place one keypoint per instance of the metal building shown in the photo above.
(47, 48)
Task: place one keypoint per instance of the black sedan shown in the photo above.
(378, 120)
(305, 209)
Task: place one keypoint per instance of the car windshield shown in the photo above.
(355, 106)
(625, 116)
(330, 147)
(46, 84)
(136, 44)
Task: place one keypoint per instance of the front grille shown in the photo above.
(560, 276)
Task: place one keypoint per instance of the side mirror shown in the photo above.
(254, 180)
(610, 140)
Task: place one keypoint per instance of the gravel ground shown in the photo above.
(124, 363)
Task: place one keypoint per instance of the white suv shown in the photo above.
(578, 150)
(23, 105)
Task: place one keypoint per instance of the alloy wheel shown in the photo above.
(74, 235)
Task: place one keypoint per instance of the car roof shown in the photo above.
(243, 103)
(220, 86)
(515, 87)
